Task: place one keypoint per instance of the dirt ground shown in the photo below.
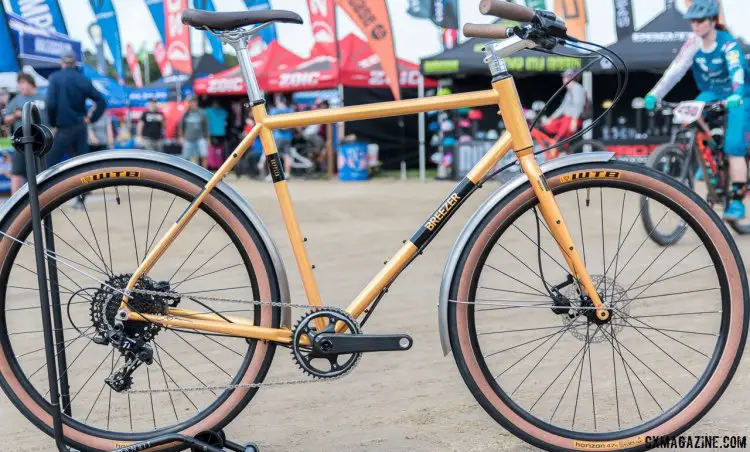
(412, 401)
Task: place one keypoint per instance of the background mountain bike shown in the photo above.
(696, 149)
(176, 299)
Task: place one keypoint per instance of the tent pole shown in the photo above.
(422, 150)
(588, 85)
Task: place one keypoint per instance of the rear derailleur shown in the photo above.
(136, 352)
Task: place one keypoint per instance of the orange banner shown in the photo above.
(574, 14)
(371, 16)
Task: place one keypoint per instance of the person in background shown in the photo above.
(721, 73)
(283, 137)
(566, 120)
(193, 133)
(217, 122)
(67, 94)
(150, 132)
(26, 93)
(101, 134)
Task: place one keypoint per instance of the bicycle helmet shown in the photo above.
(702, 9)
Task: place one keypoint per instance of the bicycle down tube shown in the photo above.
(517, 137)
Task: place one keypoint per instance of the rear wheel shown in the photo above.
(540, 364)
(129, 206)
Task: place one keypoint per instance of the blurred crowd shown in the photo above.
(204, 133)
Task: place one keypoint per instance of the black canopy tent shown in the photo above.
(654, 47)
(467, 59)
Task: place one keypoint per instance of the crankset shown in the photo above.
(326, 344)
(321, 352)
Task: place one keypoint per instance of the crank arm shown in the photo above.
(326, 344)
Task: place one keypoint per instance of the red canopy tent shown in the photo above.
(278, 69)
(360, 67)
(318, 72)
(269, 65)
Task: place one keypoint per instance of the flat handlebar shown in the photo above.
(489, 31)
(504, 10)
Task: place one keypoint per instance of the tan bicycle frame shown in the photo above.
(517, 136)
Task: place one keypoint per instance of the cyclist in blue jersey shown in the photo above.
(721, 72)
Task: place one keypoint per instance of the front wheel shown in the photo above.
(128, 206)
(538, 361)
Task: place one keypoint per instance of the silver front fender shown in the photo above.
(182, 165)
(496, 198)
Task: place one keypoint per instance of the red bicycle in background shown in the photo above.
(696, 148)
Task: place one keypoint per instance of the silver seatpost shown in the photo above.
(239, 39)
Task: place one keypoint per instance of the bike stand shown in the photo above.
(34, 141)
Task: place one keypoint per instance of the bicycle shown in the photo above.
(545, 141)
(697, 144)
(135, 314)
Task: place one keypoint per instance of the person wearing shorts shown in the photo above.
(193, 134)
(27, 93)
(151, 128)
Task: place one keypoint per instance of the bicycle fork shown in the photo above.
(521, 142)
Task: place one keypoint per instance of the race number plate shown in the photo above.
(688, 112)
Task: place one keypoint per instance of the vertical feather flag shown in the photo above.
(156, 7)
(178, 37)
(216, 50)
(269, 33)
(44, 14)
(372, 18)
(8, 60)
(107, 20)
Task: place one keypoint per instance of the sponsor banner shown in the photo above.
(178, 37)
(660, 37)
(624, 18)
(45, 14)
(445, 13)
(419, 8)
(574, 13)
(450, 38)
(373, 21)
(268, 34)
(107, 20)
(323, 20)
(156, 7)
(216, 51)
(8, 60)
(160, 55)
(135, 66)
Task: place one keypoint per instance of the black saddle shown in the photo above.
(224, 21)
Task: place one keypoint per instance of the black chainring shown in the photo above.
(307, 359)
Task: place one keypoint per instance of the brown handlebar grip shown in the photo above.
(489, 31)
(505, 10)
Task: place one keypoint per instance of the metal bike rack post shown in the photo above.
(33, 143)
(35, 140)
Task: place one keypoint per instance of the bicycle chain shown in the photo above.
(241, 385)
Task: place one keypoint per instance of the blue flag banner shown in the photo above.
(269, 33)
(157, 12)
(107, 20)
(8, 60)
(45, 14)
(216, 50)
